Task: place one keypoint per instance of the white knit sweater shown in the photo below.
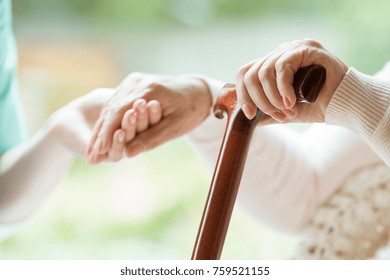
(362, 104)
(354, 223)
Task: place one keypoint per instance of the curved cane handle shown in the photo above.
(231, 160)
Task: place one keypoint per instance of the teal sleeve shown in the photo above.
(12, 126)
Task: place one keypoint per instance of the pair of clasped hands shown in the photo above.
(145, 110)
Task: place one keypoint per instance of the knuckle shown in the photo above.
(152, 88)
(265, 74)
(241, 72)
(311, 42)
(305, 50)
(155, 86)
(249, 78)
(280, 66)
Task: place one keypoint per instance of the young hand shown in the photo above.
(71, 126)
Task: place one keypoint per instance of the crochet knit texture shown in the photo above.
(354, 223)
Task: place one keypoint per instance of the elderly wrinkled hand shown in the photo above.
(267, 83)
(184, 102)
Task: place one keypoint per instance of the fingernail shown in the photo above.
(133, 118)
(287, 102)
(121, 137)
(247, 111)
(154, 109)
(135, 150)
(142, 108)
(279, 116)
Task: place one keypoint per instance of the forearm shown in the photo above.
(28, 174)
(362, 104)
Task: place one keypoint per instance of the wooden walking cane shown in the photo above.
(231, 160)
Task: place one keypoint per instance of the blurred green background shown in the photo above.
(150, 207)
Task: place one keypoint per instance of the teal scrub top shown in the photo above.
(12, 126)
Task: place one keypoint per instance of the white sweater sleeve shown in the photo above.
(288, 174)
(362, 104)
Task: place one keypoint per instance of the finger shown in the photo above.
(288, 64)
(111, 123)
(129, 124)
(95, 133)
(98, 124)
(267, 78)
(284, 81)
(98, 159)
(154, 111)
(153, 137)
(142, 115)
(112, 120)
(243, 99)
(257, 94)
(118, 145)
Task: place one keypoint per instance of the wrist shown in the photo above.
(210, 86)
(52, 136)
(204, 93)
(199, 94)
(359, 103)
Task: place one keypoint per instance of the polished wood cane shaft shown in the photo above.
(231, 160)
